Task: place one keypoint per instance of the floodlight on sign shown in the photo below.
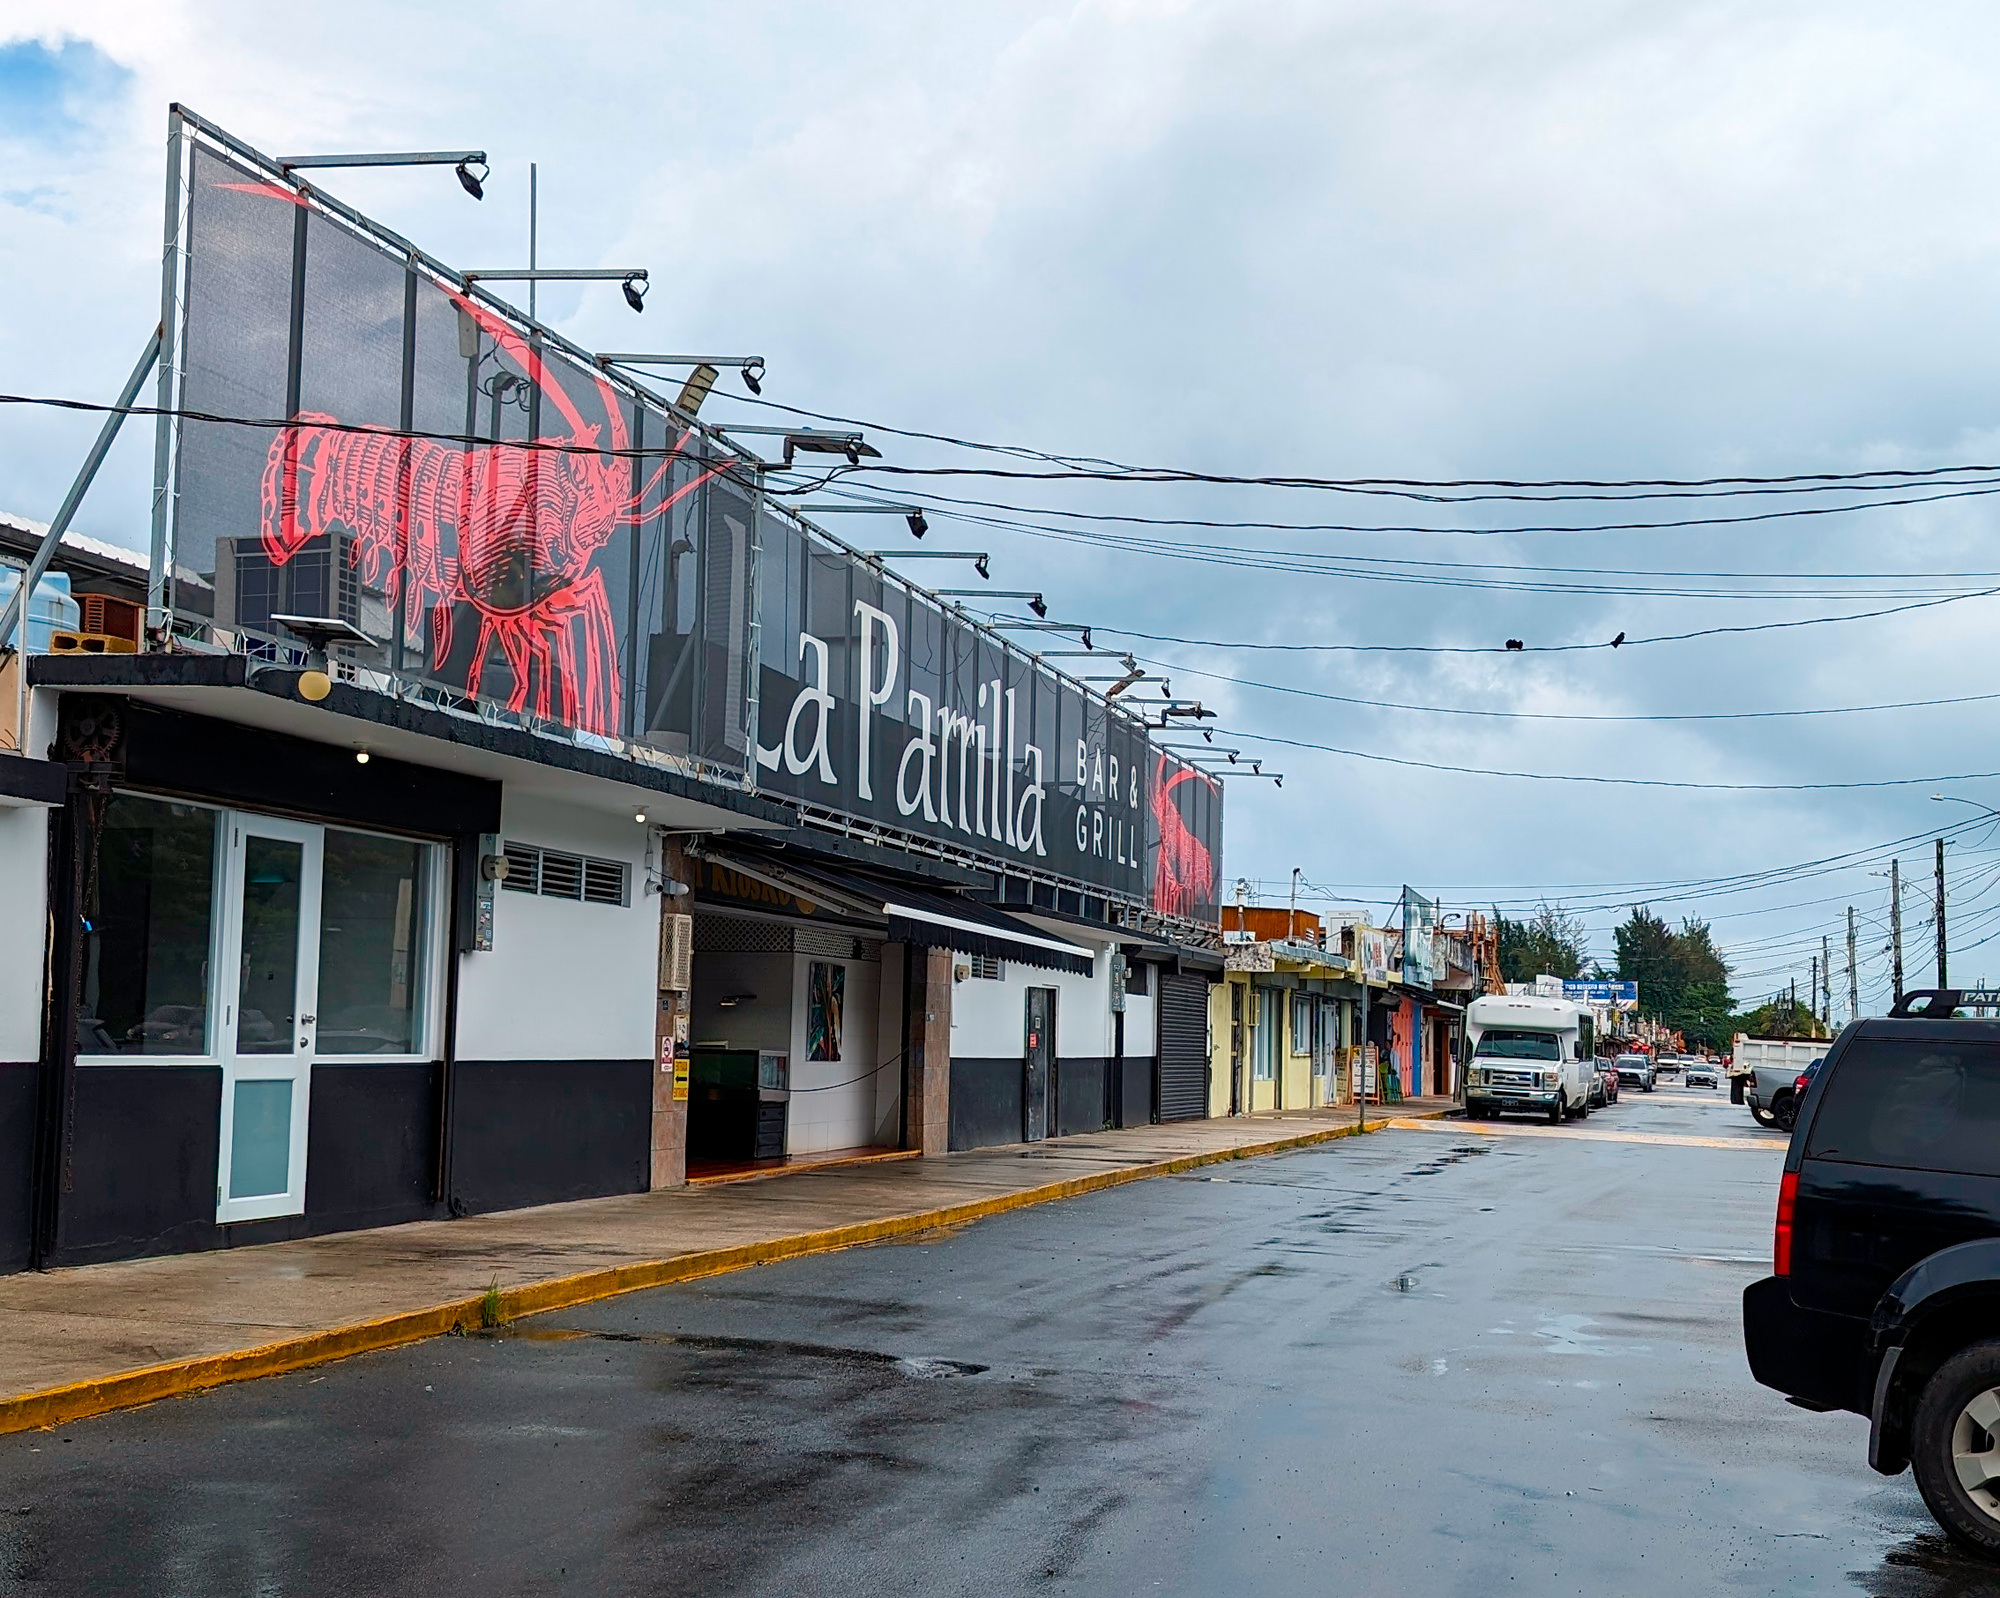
(463, 160)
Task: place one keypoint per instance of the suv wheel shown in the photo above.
(1762, 1117)
(1785, 1113)
(1955, 1452)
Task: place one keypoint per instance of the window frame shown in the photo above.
(432, 970)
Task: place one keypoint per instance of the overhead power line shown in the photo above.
(1616, 782)
(948, 505)
(1623, 641)
(1180, 669)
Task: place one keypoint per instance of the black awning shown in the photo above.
(923, 917)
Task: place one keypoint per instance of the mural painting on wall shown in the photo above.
(826, 992)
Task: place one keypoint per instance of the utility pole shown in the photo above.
(1826, 983)
(1853, 978)
(1792, 1009)
(1943, 981)
(1895, 932)
(1292, 915)
(1812, 994)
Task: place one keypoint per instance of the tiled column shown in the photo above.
(669, 1144)
(929, 1046)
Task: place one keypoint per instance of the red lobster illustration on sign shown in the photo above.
(511, 531)
(1184, 874)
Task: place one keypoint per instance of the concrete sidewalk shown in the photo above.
(83, 1341)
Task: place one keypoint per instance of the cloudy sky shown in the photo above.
(1341, 239)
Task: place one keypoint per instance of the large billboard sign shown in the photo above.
(365, 436)
(1420, 919)
(1612, 995)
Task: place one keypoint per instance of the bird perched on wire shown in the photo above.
(1618, 640)
(1515, 643)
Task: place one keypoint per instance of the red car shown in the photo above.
(1607, 1075)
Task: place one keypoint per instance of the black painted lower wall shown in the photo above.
(17, 1162)
(143, 1157)
(985, 1102)
(539, 1132)
(986, 1099)
(1134, 1094)
(1082, 1102)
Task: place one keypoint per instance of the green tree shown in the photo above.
(1781, 1017)
(1551, 942)
(1683, 979)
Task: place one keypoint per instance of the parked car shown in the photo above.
(1703, 1075)
(1636, 1070)
(1607, 1073)
(1884, 1294)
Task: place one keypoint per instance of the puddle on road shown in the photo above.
(918, 1367)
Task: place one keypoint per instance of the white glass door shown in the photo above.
(270, 981)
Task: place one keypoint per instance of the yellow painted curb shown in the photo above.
(58, 1406)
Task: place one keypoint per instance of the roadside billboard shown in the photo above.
(366, 438)
(1420, 917)
(1611, 995)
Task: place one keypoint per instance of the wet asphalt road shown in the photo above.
(1427, 1362)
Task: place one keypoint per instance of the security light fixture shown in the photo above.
(1035, 601)
(918, 526)
(750, 367)
(730, 1001)
(978, 558)
(1008, 624)
(639, 816)
(819, 441)
(463, 160)
(680, 547)
(361, 757)
(634, 280)
(1196, 709)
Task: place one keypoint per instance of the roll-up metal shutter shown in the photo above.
(1183, 1044)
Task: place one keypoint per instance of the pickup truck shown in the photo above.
(1767, 1068)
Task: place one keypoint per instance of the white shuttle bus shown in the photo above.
(1529, 1054)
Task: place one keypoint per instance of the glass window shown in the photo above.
(1268, 1020)
(1302, 1011)
(1501, 1043)
(149, 926)
(371, 955)
(1920, 1106)
(268, 987)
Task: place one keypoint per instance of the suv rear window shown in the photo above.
(1921, 1106)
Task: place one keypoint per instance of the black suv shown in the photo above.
(1884, 1296)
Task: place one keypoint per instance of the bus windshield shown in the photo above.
(1504, 1044)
